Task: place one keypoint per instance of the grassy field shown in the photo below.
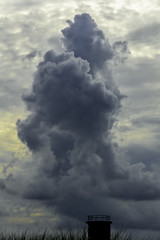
(69, 235)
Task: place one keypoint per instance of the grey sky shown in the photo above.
(30, 29)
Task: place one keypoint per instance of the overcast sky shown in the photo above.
(79, 112)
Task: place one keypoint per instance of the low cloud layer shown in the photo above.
(32, 55)
(73, 105)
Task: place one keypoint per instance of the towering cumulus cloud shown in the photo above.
(72, 109)
(87, 41)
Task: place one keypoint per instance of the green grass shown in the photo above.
(60, 235)
(69, 235)
(124, 235)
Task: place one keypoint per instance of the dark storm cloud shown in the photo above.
(86, 41)
(69, 109)
(143, 182)
(65, 95)
(72, 112)
(72, 105)
(136, 189)
(149, 156)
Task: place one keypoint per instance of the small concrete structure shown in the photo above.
(99, 227)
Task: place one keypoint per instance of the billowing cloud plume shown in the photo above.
(72, 105)
(87, 41)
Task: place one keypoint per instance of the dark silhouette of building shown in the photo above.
(99, 227)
